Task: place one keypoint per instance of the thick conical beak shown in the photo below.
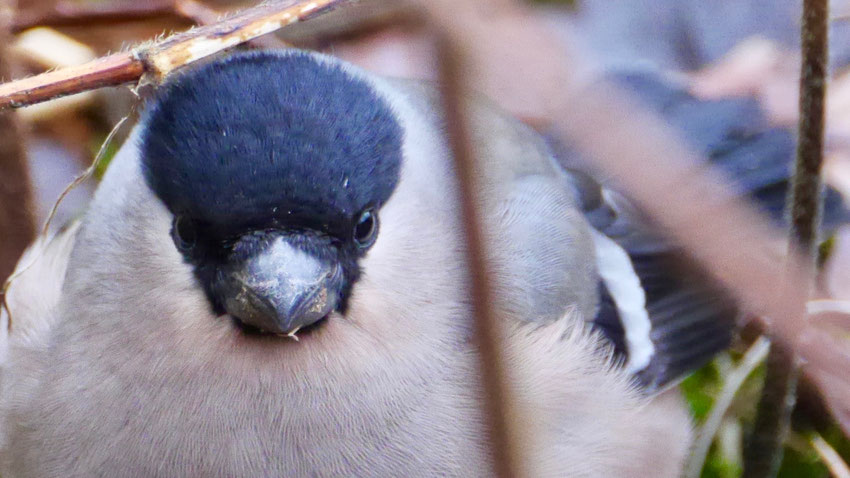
(280, 288)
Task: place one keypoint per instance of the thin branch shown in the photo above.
(154, 61)
(807, 186)
(764, 453)
(764, 450)
(499, 406)
(111, 70)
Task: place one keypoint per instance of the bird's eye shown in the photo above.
(366, 229)
(184, 234)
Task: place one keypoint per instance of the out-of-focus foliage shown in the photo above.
(700, 389)
(800, 461)
(717, 466)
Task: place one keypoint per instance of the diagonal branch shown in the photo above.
(112, 70)
(764, 453)
(499, 405)
(156, 60)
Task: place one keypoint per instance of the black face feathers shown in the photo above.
(267, 139)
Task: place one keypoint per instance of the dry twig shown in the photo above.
(500, 408)
(763, 454)
(158, 59)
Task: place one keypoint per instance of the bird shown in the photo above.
(270, 280)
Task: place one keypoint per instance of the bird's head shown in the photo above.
(275, 168)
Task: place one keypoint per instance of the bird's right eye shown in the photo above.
(365, 231)
(184, 234)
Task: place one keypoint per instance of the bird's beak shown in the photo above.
(279, 288)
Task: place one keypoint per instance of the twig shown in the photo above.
(732, 383)
(764, 453)
(807, 189)
(111, 70)
(156, 60)
(498, 404)
(17, 221)
(837, 467)
(764, 450)
(65, 13)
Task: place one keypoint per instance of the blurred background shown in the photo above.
(732, 65)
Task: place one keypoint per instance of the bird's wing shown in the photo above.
(543, 252)
(686, 318)
(663, 314)
(35, 290)
(566, 245)
(563, 240)
(735, 135)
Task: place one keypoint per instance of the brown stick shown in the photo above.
(498, 405)
(158, 59)
(17, 221)
(112, 70)
(763, 456)
(806, 203)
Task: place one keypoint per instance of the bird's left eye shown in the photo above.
(366, 229)
(183, 233)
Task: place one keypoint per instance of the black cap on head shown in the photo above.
(261, 135)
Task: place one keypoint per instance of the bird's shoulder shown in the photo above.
(539, 242)
(505, 147)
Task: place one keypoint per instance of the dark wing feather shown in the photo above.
(691, 317)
